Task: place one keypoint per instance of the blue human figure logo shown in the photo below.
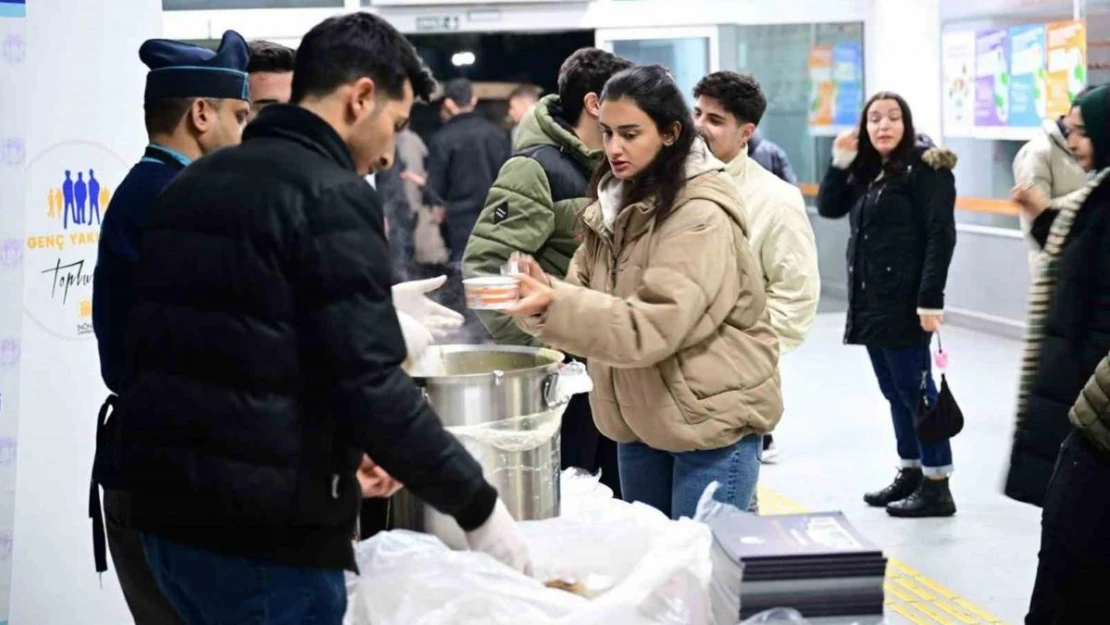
(94, 198)
(81, 191)
(67, 195)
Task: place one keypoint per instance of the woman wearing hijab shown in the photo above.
(1065, 387)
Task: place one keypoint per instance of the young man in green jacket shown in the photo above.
(533, 207)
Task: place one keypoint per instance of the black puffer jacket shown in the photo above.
(903, 235)
(265, 358)
(1075, 337)
(463, 160)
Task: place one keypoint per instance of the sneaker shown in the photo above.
(905, 484)
(770, 454)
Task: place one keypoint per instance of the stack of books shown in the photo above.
(817, 564)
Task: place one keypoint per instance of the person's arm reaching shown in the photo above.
(688, 268)
(353, 347)
(519, 216)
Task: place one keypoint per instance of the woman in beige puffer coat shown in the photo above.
(666, 302)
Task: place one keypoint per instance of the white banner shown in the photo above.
(79, 90)
(14, 111)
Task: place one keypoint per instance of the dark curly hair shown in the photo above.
(585, 72)
(267, 56)
(652, 88)
(740, 94)
(868, 161)
(344, 48)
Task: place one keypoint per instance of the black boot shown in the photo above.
(932, 499)
(905, 483)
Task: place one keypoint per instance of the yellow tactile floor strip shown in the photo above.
(909, 594)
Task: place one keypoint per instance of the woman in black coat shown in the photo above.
(1065, 385)
(899, 193)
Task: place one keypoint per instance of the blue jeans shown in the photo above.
(209, 589)
(899, 374)
(673, 482)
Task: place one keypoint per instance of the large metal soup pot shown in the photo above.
(504, 404)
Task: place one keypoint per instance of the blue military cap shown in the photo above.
(183, 70)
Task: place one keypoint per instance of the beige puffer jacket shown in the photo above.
(1047, 162)
(672, 317)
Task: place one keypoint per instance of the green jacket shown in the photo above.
(532, 207)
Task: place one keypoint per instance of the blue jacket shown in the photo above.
(772, 157)
(118, 253)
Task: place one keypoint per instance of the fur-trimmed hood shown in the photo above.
(933, 155)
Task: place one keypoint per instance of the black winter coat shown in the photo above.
(903, 235)
(1076, 337)
(464, 158)
(265, 358)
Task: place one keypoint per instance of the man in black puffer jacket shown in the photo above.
(265, 354)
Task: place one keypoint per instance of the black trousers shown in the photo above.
(586, 448)
(1073, 575)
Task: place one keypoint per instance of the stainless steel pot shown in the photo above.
(505, 405)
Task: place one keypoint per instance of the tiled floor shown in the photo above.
(837, 442)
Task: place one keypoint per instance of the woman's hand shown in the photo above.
(847, 141)
(845, 149)
(931, 323)
(528, 265)
(535, 297)
(1030, 198)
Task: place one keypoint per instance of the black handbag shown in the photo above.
(942, 419)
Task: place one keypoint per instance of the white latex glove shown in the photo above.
(417, 337)
(411, 299)
(499, 538)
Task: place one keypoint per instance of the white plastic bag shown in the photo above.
(649, 569)
(778, 616)
(724, 587)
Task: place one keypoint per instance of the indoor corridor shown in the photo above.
(836, 443)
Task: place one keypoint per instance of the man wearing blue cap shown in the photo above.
(196, 102)
(264, 353)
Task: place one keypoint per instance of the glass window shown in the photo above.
(687, 58)
(204, 5)
(778, 56)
